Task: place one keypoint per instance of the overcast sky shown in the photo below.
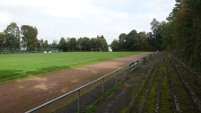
(78, 18)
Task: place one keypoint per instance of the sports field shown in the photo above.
(14, 66)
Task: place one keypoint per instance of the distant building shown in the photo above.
(110, 49)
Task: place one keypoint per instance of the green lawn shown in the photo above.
(14, 66)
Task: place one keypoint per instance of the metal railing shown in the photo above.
(123, 70)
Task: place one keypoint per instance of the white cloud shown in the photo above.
(77, 18)
(72, 9)
(4, 18)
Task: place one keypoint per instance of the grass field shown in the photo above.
(14, 66)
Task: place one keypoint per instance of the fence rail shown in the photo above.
(126, 69)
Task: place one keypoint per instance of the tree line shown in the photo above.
(14, 40)
(181, 33)
(134, 41)
(83, 44)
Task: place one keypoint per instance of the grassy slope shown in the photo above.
(15, 66)
(166, 101)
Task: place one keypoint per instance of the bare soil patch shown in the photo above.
(21, 95)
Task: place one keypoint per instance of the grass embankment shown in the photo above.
(166, 99)
(160, 92)
(94, 106)
(185, 101)
(14, 66)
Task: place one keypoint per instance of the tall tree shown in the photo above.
(29, 36)
(155, 25)
(13, 37)
(63, 45)
(115, 45)
(46, 45)
(2, 41)
(98, 44)
(41, 45)
(156, 29)
(151, 40)
(103, 45)
(143, 40)
(93, 43)
(122, 40)
(73, 44)
(86, 44)
(54, 45)
(80, 43)
(133, 40)
(165, 30)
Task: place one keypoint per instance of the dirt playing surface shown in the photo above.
(22, 95)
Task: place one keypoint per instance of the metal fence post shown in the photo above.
(116, 77)
(124, 68)
(78, 99)
(102, 85)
